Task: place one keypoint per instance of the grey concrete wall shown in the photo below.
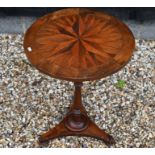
(138, 14)
(14, 24)
(140, 20)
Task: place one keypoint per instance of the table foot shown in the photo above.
(77, 123)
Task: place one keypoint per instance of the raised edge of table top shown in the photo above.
(78, 44)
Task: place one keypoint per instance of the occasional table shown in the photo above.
(78, 45)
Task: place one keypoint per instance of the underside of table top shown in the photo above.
(78, 44)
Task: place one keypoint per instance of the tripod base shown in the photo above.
(77, 123)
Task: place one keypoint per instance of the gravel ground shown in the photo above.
(31, 102)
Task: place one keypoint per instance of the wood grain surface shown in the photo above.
(78, 44)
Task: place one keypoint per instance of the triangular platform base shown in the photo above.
(77, 123)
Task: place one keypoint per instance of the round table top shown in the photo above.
(78, 44)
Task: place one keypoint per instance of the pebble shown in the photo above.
(153, 77)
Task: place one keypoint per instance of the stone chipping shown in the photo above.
(32, 102)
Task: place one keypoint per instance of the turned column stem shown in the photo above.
(76, 119)
(77, 101)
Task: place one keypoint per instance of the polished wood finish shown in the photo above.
(78, 45)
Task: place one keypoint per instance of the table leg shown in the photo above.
(77, 123)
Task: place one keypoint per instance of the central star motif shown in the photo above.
(89, 39)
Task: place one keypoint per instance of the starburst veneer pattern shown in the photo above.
(78, 45)
(86, 44)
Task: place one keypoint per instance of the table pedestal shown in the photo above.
(77, 123)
